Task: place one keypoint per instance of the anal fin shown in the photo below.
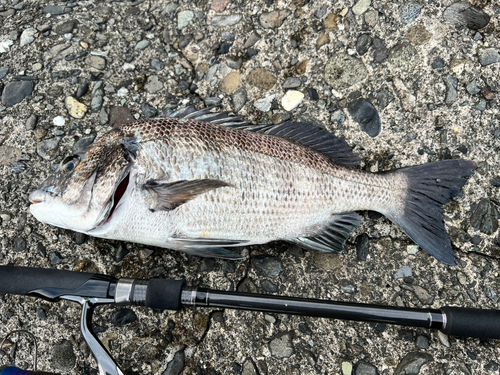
(331, 238)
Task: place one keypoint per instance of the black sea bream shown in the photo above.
(202, 182)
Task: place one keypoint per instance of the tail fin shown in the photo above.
(430, 186)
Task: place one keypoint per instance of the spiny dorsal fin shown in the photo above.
(169, 195)
(332, 238)
(205, 114)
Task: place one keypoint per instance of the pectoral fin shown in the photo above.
(169, 195)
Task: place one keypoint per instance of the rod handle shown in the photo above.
(467, 322)
(164, 294)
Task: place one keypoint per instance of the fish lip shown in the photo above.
(38, 196)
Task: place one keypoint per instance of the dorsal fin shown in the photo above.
(205, 114)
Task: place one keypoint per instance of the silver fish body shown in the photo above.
(195, 182)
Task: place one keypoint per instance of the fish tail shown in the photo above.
(420, 216)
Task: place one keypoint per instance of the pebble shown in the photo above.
(148, 110)
(31, 122)
(313, 94)
(343, 71)
(410, 12)
(4, 71)
(252, 39)
(153, 84)
(346, 368)
(142, 45)
(365, 368)
(184, 18)
(412, 249)
(14, 92)
(485, 217)
(332, 21)
(291, 100)
(361, 7)
(418, 35)
(82, 90)
(96, 62)
(224, 48)
(75, 108)
(5, 216)
(371, 18)
(219, 5)
(39, 132)
(404, 271)
(212, 101)
(365, 114)
(56, 10)
(408, 100)
(481, 105)
(157, 64)
(230, 82)
(488, 56)
(270, 266)
(229, 20)
(273, 20)
(338, 116)
(282, 346)
(261, 78)
(404, 57)
(362, 247)
(65, 27)
(347, 287)
(412, 363)
(5, 45)
(234, 63)
(451, 90)
(463, 14)
(176, 365)
(363, 43)
(19, 244)
(292, 83)
(119, 115)
(27, 36)
(438, 63)
(381, 52)
(323, 39)
(63, 356)
(269, 286)
(97, 97)
(444, 339)
(124, 316)
(491, 366)
(55, 258)
(264, 104)
(59, 121)
(37, 67)
(239, 99)
(48, 148)
(80, 238)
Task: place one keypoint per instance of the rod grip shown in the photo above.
(162, 294)
(466, 322)
(23, 280)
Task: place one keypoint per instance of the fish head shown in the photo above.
(85, 188)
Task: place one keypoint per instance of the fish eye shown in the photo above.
(69, 164)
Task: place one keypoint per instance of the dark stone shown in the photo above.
(365, 368)
(270, 266)
(381, 52)
(495, 182)
(363, 43)
(148, 110)
(380, 327)
(184, 40)
(212, 101)
(157, 64)
(63, 356)
(224, 48)
(120, 116)
(175, 366)
(4, 71)
(19, 244)
(485, 217)
(365, 114)
(269, 286)
(15, 92)
(252, 52)
(305, 329)
(55, 258)
(406, 335)
(40, 313)
(347, 287)
(292, 83)
(463, 149)
(122, 317)
(42, 250)
(56, 10)
(121, 252)
(237, 368)
(463, 14)
(82, 90)
(313, 94)
(411, 363)
(491, 366)
(84, 142)
(384, 97)
(438, 63)
(362, 247)
(65, 27)
(451, 90)
(76, 56)
(476, 240)
(422, 342)
(80, 238)
(207, 265)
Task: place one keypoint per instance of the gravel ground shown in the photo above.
(403, 82)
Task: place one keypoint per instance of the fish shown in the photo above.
(204, 182)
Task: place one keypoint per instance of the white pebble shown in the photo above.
(291, 100)
(264, 104)
(59, 121)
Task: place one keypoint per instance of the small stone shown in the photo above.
(153, 84)
(273, 20)
(444, 339)
(292, 83)
(5, 216)
(488, 56)
(343, 71)
(124, 316)
(120, 116)
(362, 247)
(40, 313)
(347, 287)
(411, 363)
(19, 244)
(488, 93)
(63, 356)
(176, 365)
(422, 294)
(48, 148)
(212, 101)
(270, 266)
(148, 110)
(230, 82)
(219, 5)
(412, 249)
(371, 18)
(418, 35)
(5, 45)
(14, 92)
(338, 116)
(65, 27)
(365, 114)
(229, 20)
(346, 368)
(59, 121)
(381, 52)
(37, 67)
(491, 366)
(143, 44)
(404, 56)
(184, 18)
(458, 66)
(291, 100)
(82, 90)
(80, 238)
(4, 71)
(96, 62)
(323, 38)
(365, 368)
(264, 104)
(404, 271)
(281, 346)
(363, 43)
(75, 108)
(422, 342)
(55, 258)
(261, 78)
(332, 21)
(361, 7)
(234, 63)
(31, 122)
(157, 64)
(39, 132)
(451, 90)
(313, 94)
(463, 14)
(438, 63)
(485, 217)
(410, 12)
(252, 39)
(224, 48)
(239, 99)
(27, 36)
(56, 10)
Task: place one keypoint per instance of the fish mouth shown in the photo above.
(37, 196)
(118, 195)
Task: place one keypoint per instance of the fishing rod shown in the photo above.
(91, 290)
